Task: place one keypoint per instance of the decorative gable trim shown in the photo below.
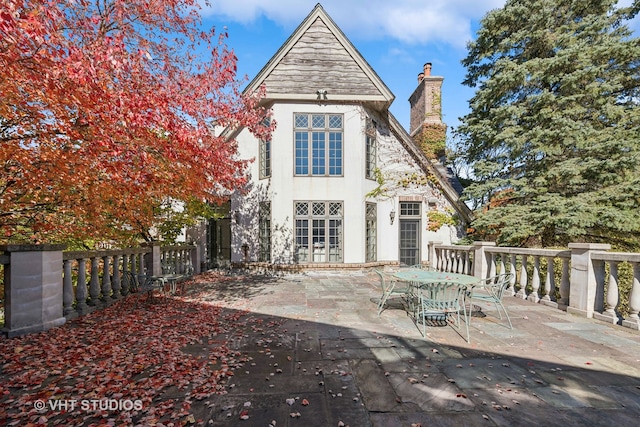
(318, 62)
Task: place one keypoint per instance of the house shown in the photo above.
(340, 183)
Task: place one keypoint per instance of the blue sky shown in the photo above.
(395, 37)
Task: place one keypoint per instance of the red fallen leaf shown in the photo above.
(305, 402)
(588, 363)
(244, 415)
(461, 395)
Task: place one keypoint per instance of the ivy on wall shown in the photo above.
(437, 219)
(380, 190)
(432, 140)
(417, 179)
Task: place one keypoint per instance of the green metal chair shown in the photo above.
(389, 287)
(491, 290)
(442, 302)
(130, 282)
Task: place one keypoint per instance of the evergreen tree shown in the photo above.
(554, 130)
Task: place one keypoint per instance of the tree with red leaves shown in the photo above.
(106, 114)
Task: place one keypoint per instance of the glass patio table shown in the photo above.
(421, 279)
(424, 277)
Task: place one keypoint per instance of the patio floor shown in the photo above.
(309, 350)
(343, 365)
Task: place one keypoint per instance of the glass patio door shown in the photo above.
(409, 242)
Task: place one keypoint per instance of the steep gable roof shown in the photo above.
(318, 57)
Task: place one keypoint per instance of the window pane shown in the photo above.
(318, 233)
(335, 240)
(264, 230)
(318, 121)
(370, 156)
(335, 209)
(318, 153)
(410, 209)
(302, 232)
(302, 209)
(318, 209)
(302, 239)
(302, 153)
(302, 120)
(371, 233)
(335, 121)
(335, 153)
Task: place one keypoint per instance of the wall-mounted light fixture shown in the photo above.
(236, 216)
(392, 215)
(322, 94)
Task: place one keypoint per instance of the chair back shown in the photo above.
(168, 268)
(496, 285)
(130, 281)
(383, 280)
(442, 297)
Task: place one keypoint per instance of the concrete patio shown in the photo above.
(324, 358)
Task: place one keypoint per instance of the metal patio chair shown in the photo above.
(389, 286)
(491, 290)
(442, 303)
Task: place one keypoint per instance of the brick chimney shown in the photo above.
(426, 126)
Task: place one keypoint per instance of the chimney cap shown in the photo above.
(427, 69)
(420, 77)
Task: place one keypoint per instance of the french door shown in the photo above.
(409, 242)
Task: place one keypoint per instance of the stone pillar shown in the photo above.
(153, 260)
(33, 288)
(480, 259)
(197, 235)
(583, 285)
(195, 260)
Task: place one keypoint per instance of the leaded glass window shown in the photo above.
(318, 144)
(410, 208)
(371, 149)
(371, 232)
(264, 231)
(318, 231)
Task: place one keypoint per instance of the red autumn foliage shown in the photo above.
(107, 110)
(165, 354)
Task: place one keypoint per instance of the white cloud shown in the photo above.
(408, 21)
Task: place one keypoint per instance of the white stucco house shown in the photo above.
(340, 183)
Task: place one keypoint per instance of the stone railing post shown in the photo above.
(480, 259)
(116, 283)
(197, 235)
(433, 258)
(33, 288)
(583, 284)
(195, 259)
(153, 259)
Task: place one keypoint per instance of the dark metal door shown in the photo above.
(219, 234)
